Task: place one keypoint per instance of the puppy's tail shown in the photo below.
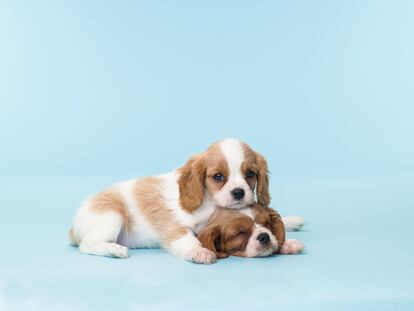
(293, 223)
(72, 239)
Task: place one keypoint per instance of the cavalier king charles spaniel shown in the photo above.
(169, 210)
(255, 231)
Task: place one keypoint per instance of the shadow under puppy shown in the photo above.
(255, 231)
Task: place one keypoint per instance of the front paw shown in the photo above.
(292, 247)
(201, 255)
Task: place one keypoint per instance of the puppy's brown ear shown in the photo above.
(276, 226)
(191, 183)
(210, 238)
(262, 189)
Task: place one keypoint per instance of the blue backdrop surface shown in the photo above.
(99, 91)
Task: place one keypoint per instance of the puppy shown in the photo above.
(254, 231)
(166, 210)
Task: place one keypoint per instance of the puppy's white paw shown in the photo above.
(201, 255)
(119, 251)
(293, 223)
(292, 247)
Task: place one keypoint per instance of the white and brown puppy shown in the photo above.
(166, 210)
(254, 231)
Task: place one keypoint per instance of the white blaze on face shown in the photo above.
(255, 249)
(233, 152)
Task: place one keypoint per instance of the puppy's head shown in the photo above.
(229, 172)
(252, 232)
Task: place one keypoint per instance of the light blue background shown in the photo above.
(93, 92)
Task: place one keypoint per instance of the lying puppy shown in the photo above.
(166, 210)
(254, 231)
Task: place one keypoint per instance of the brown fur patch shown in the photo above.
(148, 193)
(191, 183)
(197, 174)
(250, 166)
(227, 233)
(110, 200)
(257, 163)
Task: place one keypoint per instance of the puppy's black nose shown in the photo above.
(263, 238)
(238, 193)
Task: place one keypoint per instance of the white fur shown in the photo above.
(181, 246)
(189, 248)
(292, 247)
(293, 223)
(255, 249)
(247, 212)
(234, 154)
(201, 255)
(142, 234)
(99, 233)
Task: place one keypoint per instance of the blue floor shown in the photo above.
(358, 240)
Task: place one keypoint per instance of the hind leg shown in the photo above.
(103, 249)
(101, 234)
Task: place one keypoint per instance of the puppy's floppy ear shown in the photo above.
(210, 238)
(191, 183)
(276, 226)
(262, 189)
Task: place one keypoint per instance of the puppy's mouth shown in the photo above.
(237, 205)
(266, 250)
(266, 253)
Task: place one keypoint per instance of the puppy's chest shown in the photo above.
(197, 220)
(200, 226)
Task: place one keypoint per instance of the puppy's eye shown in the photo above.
(250, 174)
(218, 177)
(241, 233)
